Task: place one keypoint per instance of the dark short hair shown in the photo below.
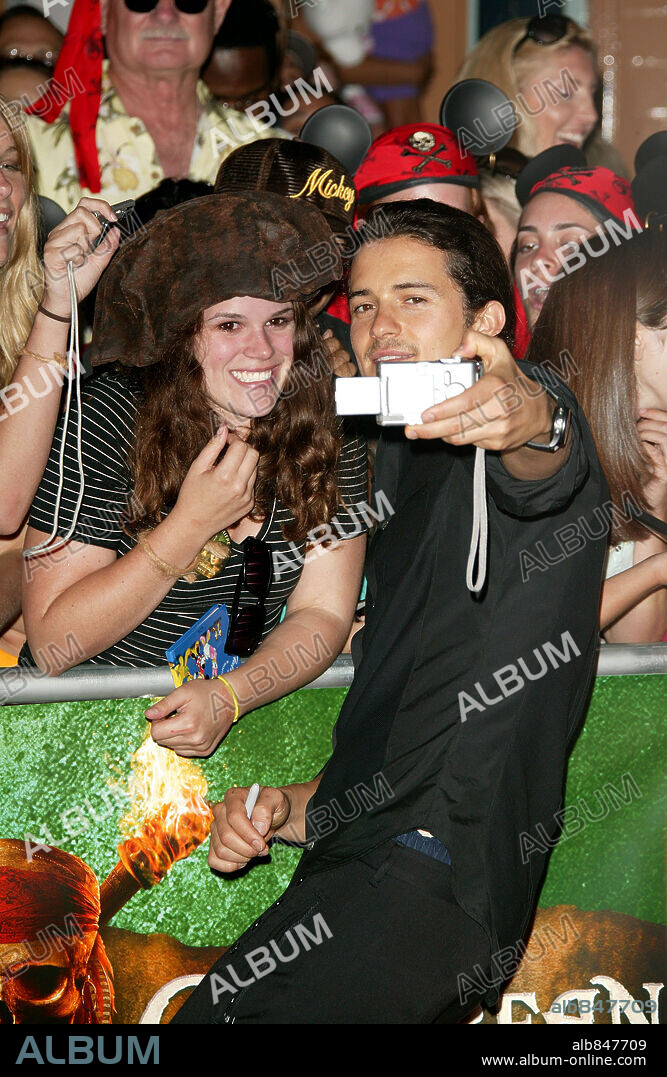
(251, 24)
(167, 194)
(25, 11)
(473, 259)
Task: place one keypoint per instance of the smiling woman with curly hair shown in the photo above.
(172, 520)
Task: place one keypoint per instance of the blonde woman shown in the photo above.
(32, 346)
(19, 266)
(18, 304)
(547, 67)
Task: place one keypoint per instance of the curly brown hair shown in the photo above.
(299, 441)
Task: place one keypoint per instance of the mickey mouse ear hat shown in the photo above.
(410, 155)
(341, 131)
(82, 52)
(480, 115)
(649, 187)
(541, 167)
(470, 129)
(563, 170)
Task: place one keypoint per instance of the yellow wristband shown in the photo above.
(235, 698)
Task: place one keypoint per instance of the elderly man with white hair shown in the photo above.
(118, 126)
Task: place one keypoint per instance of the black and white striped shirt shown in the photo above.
(109, 408)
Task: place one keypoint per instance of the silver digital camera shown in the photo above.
(403, 390)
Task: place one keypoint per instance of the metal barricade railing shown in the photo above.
(21, 684)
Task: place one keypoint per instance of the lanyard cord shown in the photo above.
(73, 370)
(480, 526)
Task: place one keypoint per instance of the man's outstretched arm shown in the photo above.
(501, 412)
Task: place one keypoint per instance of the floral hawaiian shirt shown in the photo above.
(128, 160)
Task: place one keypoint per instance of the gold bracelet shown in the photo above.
(165, 569)
(235, 698)
(57, 359)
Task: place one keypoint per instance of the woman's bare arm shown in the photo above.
(30, 403)
(634, 602)
(317, 622)
(89, 592)
(27, 421)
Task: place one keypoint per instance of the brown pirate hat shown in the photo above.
(208, 249)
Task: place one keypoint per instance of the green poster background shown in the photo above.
(57, 760)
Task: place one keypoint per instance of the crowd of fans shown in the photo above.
(202, 102)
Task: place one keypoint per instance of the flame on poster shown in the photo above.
(169, 815)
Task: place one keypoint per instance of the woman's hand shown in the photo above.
(652, 430)
(203, 715)
(235, 839)
(215, 496)
(70, 242)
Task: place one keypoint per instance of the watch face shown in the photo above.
(559, 424)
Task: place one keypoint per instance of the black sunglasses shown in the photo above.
(188, 7)
(246, 623)
(544, 30)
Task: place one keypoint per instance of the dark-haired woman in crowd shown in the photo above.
(562, 209)
(609, 319)
(192, 301)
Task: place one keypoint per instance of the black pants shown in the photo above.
(377, 940)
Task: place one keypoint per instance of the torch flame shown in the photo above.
(169, 816)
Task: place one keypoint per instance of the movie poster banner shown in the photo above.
(110, 914)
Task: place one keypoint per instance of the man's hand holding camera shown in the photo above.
(501, 412)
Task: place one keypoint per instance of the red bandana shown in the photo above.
(521, 329)
(82, 52)
(601, 191)
(409, 155)
(42, 892)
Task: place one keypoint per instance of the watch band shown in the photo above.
(559, 427)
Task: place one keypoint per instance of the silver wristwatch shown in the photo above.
(559, 427)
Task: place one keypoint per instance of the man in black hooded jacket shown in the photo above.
(421, 867)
